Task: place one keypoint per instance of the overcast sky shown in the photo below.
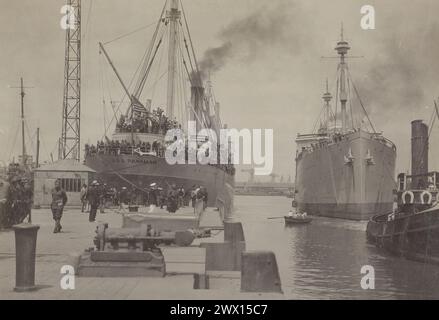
(273, 77)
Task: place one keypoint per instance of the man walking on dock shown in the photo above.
(83, 195)
(59, 200)
(94, 200)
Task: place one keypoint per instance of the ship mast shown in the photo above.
(23, 143)
(173, 16)
(327, 97)
(342, 49)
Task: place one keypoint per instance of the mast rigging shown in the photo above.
(102, 50)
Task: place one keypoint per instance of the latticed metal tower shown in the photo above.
(70, 143)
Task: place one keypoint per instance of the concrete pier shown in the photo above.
(228, 264)
(226, 255)
(161, 220)
(259, 272)
(53, 251)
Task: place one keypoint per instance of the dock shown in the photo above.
(183, 264)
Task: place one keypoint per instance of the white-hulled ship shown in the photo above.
(344, 171)
(134, 155)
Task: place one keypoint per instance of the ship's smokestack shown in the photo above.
(197, 97)
(419, 154)
(197, 100)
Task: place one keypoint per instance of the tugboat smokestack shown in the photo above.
(419, 154)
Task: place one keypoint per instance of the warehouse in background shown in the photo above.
(72, 175)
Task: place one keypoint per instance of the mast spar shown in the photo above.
(23, 142)
(173, 16)
(327, 97)
(23, 121)
(102, 50)
(342, 49)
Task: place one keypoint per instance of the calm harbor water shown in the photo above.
(323, 260)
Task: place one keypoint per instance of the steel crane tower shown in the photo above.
(70, 142)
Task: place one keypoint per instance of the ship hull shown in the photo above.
(349, 211)
(141, 171)
(328, 185)
(413, 236)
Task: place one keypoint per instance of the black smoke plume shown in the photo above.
(402, 77)
(263, 32)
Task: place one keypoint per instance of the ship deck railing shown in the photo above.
(325, 140)
(387, 142)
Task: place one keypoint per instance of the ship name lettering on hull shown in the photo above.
(142, 161)
(116, 160)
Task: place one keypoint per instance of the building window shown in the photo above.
(71, 185)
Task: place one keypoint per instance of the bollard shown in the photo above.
(201, 281)
(25, 247)
(259, 272)
(224, 256)
(228, 213)
(233, 232)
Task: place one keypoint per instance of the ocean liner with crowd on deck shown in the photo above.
(134, 155)
(344, 171)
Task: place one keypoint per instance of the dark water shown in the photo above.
(323, 260)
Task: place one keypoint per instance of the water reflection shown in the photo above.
(323, 260)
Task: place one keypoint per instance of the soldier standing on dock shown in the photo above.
(27, 196)
(171, 201)
(203, 195)
(161, 197)
(194, 196)
(59, 200)
(102, 197)
(94, 200)
(83, 196)
(16, 196)
(123, 197)
(4, 187)
(181, 195)
(153, 195)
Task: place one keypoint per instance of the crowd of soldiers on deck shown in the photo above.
(16, 196)
(156, 123)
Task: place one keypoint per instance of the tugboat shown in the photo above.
(412, 229)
